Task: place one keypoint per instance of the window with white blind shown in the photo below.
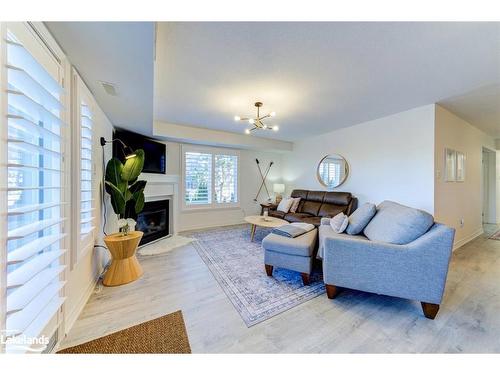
(83, 189)
(34, 141)
(210, 177)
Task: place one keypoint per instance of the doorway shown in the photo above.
(489, 188)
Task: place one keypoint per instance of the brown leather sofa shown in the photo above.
(317, 204)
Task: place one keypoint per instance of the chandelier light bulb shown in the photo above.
(272, 114)
(276, 128)
(264, 126)
(251, 121)
(247, 131)
(237, 118)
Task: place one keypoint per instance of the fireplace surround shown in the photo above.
(154, 220)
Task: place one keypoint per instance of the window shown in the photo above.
(34, 141)
(226, 178)
(83, 190)
(210, 177)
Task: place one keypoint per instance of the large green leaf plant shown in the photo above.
(125, 190)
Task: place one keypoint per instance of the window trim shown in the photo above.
(214, 205)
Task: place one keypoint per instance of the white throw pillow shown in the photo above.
(285, 205)
(295, 204)
(339, 222)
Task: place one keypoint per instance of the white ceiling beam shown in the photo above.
(203, 136)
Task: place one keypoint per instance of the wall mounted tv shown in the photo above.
(154, 152)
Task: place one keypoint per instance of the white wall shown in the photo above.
(460, 200)
(389, 158)
(249, 184)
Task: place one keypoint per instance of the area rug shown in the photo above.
(238, 266)
(495, 236)
(165, 245)
(166, 334)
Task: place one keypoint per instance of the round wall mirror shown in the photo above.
(332, 171)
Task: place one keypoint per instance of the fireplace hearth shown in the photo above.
(154, 221)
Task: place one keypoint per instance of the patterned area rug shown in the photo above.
(238, 265)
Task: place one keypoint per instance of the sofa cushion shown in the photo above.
(278, 214)
(326, 231)
(398, 224)
(300, 246)
(337, 198)
(360, 218)
(296, 217)
(314, 220)
(330, 210)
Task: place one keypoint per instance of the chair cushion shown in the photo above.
(301, 246)
(360, 218)
(398, 224)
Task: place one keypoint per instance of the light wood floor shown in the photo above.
(469, 319)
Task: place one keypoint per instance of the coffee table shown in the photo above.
(258, 221)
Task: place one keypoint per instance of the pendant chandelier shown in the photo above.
(256, 122)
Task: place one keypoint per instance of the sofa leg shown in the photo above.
(305, 278)
(331, 291)
(430, 309)
(269, 270)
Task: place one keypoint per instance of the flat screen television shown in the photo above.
(154, 152)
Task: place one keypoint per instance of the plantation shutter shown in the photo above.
(34, 187)
(226, 178)
(198, 178)
(85, 195)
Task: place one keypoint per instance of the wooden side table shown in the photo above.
(263, 206)
(124, 267)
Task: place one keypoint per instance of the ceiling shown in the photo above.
(120, 53)
(317, 76)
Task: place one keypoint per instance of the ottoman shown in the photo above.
(295, 254)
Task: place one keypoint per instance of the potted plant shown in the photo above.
(127, 199)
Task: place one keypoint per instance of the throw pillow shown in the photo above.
(398, 224)
(360, 218)
(285, 205)
(339, 222)
(295, 204)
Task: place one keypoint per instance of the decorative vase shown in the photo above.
(124, 267)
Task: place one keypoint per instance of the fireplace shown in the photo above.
(154, 220)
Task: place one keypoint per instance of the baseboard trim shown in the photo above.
(457, 245)
(73, 316)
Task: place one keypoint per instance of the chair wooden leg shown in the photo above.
(305, 278)
(430, 309)
(331, 291)
(269, 270)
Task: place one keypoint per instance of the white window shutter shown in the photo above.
(34, 185)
